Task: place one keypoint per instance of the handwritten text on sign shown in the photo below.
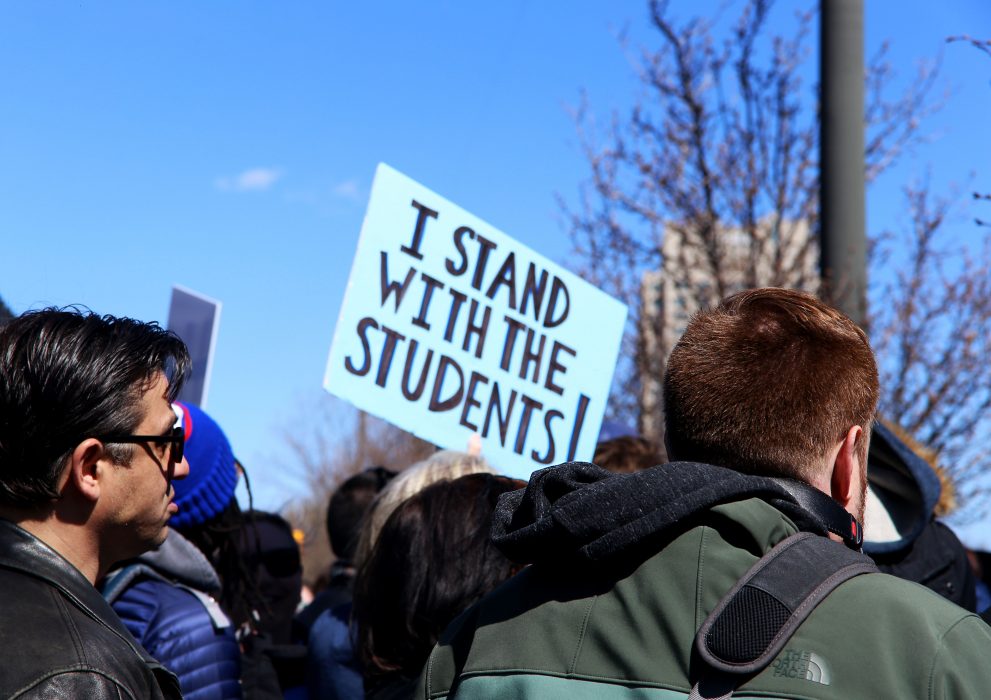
(450, 327)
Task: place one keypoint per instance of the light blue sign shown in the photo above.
(449, 328)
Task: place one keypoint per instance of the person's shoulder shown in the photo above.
(327, 599)
(879, 592)
(884, 609)
(76, 683)
(910, 610)
(175, 625)
(178, 610)
(537, 617)
(142, 605)
(23, 582)
(880, 636)
(33, 603)
(331, 633)
(56, 649)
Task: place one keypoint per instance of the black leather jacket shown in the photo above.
(59, 638)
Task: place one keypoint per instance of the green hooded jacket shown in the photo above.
(625, 629)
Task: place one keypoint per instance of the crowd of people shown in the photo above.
(781, 543)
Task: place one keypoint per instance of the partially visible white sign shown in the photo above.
(196, 319)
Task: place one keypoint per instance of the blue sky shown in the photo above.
(230, 148)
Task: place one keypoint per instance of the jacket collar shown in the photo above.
(177, 560)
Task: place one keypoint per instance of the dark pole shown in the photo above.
(841, 157)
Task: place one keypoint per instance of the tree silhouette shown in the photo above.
(711, 180)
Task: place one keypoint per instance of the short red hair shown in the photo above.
(767, 383)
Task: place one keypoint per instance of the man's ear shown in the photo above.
(846, 481)
(84, 470)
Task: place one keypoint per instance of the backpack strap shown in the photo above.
(829, 515)
(752, 623)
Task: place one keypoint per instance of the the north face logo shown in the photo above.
(801, 664)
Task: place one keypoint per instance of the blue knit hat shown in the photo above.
(209, 488)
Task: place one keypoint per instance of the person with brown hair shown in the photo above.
(626, 454)
(724, 571)
(774, 382)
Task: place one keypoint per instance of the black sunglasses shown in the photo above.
(175, 437)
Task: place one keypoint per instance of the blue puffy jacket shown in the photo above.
(163, 600)
(332, 668)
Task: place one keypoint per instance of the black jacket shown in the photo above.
(912, 545)
(59, 638)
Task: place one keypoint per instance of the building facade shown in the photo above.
(700, 268)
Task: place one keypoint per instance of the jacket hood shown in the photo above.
(582, 512)
(176, 560)
(903, 492)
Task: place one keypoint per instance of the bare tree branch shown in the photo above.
(711, 178)
(979, 44)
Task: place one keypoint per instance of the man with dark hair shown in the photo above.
(333, 669)
(345, 514)
(347, 507)
(89, 446)
(722, 572)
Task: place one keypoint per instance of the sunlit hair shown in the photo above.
(432, 560)
(626, 454)
(767, 383)
(446, 464)
(69, 374)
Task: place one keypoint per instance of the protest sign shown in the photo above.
(196, 319)
(449, 327)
